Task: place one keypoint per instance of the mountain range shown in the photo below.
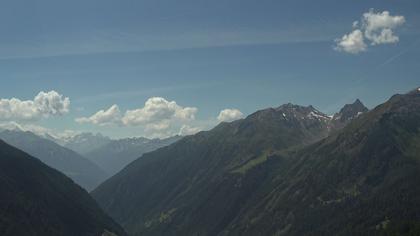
(116, 154)
(38, 200)
(84, 143)
(87, 158)
(80, 169)
(289, 170)
(109, 154)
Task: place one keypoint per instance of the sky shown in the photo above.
(157, 68)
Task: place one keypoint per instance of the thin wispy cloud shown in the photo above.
(399, 54)
(99, 42)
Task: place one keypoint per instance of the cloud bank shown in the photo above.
(376, 28)
(157, 116)
(44, 105)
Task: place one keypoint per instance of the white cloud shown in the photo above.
(52, 103)
(158, 117)
(158, 126)
(352, 43)
(377, 28)
(355, 24)
(156, 110)
(45, 104)
(386, 36)
(188, 130)
(228, 115)
(103, 117)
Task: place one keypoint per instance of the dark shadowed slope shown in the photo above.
(363, 180)
(38, 200)
(116, 154)
(81, 170)
(186, 188)
(251, 177)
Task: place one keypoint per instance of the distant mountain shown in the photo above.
(116, 154)
(38, 200)
(85, 142)
(187, 184)
(348, 113)
(75, 166)
(277, 172)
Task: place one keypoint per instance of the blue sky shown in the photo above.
(210, 55)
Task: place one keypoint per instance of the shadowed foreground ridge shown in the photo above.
(264, 175)
(38, 200)
(78, 168)
(360, 181)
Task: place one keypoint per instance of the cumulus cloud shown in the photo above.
(45, 104)
(377, 28)
(103, 117)
(352, 43)
(159, 117)
(228, 115)
(188, 130)
(158, 125)
(156, 110)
